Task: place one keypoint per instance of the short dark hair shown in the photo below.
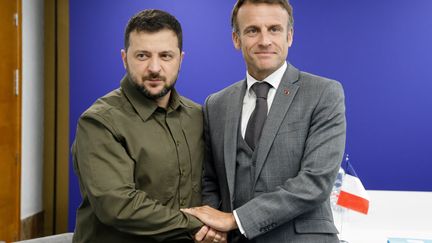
(153, 20)
(283, 3)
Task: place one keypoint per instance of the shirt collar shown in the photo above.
(273, 79)
(144, 106)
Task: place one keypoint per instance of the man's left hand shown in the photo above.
(209, 235)
(213, 218)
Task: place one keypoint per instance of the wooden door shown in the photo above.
(10, 127)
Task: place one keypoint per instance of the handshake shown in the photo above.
(217, 224)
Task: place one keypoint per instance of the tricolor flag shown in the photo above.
(352, 193)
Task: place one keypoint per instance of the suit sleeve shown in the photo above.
(323, 151)
(210, 186)
(106, 174)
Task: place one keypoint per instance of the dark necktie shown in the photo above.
(259, 115)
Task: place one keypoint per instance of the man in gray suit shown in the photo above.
(274, 141)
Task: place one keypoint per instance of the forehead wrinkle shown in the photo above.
(257, 14)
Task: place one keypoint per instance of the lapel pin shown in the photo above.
(286, 91)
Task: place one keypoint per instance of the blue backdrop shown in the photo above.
(379, 50)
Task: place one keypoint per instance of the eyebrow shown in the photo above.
(250, 27)
(168, 51)
(257, 27)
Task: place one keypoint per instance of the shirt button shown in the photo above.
(182, 202)
(178, 143)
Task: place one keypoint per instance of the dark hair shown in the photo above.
(283, 3)
(153, 20)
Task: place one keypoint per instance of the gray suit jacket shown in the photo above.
(298, 157)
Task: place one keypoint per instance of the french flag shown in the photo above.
(352, 193)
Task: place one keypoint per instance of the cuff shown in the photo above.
(242, 231)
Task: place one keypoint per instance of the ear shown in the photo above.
(290, 36)
(236, 40)
(124, 58)
(182, 54)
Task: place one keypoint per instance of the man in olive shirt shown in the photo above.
(138, 150)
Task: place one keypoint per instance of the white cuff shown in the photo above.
(242, 231)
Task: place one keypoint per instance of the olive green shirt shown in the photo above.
(137, 165)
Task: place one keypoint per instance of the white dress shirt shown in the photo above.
(249, 102)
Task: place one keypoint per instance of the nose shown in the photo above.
(265, 39)
(154, 65)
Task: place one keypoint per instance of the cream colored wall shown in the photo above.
(32, 106)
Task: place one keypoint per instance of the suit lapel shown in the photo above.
(281, 103)
(234, 108)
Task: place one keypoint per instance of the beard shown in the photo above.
(143, 90)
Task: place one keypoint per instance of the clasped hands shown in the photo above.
(217, 224)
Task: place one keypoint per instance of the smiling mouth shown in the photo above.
(265, 53)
